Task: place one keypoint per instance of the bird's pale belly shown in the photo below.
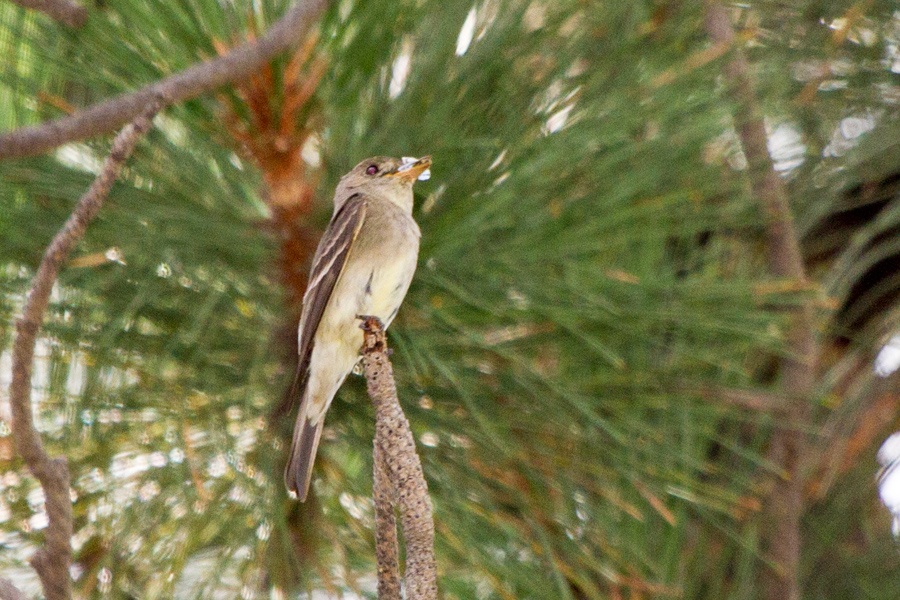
(377, 291)
(365, 290)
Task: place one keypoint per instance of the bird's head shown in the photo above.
(385, 176)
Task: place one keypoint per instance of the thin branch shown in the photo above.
(8, 591)
(755, 400)
(52, 560)
(387, 561)
(398, 449)
(68, 13)
(190, 83)
(65, 12)
(784, 507)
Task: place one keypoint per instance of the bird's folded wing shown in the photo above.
(328, 264)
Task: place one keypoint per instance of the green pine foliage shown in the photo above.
(592, 263)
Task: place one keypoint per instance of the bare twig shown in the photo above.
(398, 450)
(52, 560)
(190, 83)
(784, 507)
(755, 400)
(8, 591)
(68, 13)
(387, 555)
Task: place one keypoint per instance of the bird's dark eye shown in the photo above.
(371, 170)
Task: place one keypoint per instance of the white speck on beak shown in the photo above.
(408, 162)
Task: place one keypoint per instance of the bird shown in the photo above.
(363, 265)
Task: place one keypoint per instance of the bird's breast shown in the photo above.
(376, 276)
(388, 285)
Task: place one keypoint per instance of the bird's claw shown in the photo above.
(370, 323)
(374, 338)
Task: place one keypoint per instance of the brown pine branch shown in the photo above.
(784, 506)
(239, 64)
(53, 559)
(68, 13)
(8, 591)
(398, 450)
(387, 554)
(754, 400)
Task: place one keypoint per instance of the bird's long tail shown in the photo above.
(298, 473)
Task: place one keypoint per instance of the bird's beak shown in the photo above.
(412, 168)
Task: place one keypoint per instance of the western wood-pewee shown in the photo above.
(363, 266)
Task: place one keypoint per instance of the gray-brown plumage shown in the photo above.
(363, 266)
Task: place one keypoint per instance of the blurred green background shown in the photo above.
(592, 265)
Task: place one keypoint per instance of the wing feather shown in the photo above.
(328, 265)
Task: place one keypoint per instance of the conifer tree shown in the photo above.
(589, 353)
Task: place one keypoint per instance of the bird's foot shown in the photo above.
(370, 323)
(375, 339)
